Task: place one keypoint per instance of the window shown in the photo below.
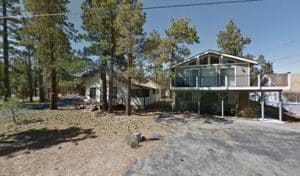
(115, 92)
(214, 60)
(204, 61)
(192, 63)
(93, 92)
(227, 61)
(140, 92)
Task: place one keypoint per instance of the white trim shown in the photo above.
(216, 53)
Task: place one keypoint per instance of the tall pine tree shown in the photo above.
(52, 32)
(99, 20)
(231, 41)
(8, 31)
(130, 22)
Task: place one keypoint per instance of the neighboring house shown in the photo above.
(143, 94)
(215, 82)
(290, 96)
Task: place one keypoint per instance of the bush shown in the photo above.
(11, 104)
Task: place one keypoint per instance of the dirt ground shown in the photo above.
(69, 142)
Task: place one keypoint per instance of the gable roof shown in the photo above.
(214, 53)
(121, 77)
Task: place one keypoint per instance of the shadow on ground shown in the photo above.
(36, 139)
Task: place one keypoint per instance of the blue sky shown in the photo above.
(273, 26)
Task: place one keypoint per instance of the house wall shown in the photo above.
(242, 75)
(137, 102)
(93, 82)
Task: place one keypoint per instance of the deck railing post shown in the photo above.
(226, 81)
(197, 81)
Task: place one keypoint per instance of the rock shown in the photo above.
(133, 139)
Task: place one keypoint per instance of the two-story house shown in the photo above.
(215, 82)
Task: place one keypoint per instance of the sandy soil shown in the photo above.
(74, 143)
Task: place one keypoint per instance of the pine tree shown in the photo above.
(178, 36)
(53, 32)
(173, 47)
(231, 40)
(93, 35)
(27, 41)
(100, 20)
(9, 28)
(130, 23)
(152, 53)
(265, 66)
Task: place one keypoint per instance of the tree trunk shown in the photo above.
(7, 92)
(35, 80)
(104, 85)
(128, 98)
(53, 78)
(29, 75)
(110, 87)
(42, 97)
(111, 78)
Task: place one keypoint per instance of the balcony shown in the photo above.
(224, 82)
(215, 81)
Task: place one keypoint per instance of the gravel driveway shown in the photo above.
(212, 146)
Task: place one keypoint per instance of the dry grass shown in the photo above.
(69, 142)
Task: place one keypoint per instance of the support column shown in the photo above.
(174, 101)
(199, 103)
(280, 106)
(222, 104)
(262, 102)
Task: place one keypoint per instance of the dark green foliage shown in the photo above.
(265, 66)
(231, 41)
(52, 34)
(9, 42)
